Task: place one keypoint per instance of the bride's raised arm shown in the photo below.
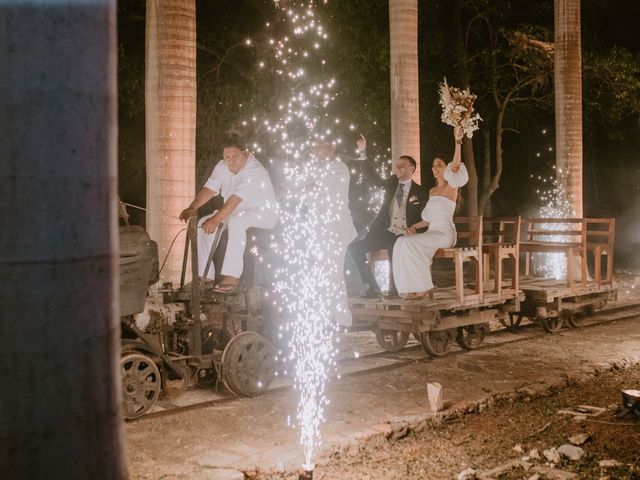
(456, 173)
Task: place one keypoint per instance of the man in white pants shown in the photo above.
(249, 201)
(332, 182)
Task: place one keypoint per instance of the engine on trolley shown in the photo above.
(196, 337)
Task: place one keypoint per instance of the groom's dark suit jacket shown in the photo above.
(418, 197)
(378, 237)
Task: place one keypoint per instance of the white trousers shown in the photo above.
(412, 257)
(237, 225)
(342, 311)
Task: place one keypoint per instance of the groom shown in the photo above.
(403, 203)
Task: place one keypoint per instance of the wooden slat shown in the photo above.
(551, 220)
(554, 232)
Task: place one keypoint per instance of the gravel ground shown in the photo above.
(508, 430)
(504, 431)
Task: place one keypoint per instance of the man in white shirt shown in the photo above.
(333, 184)
(249, 201)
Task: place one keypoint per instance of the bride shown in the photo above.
(413, 252)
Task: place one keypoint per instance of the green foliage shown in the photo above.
(501, 57)
(359, 57)
(611, 86)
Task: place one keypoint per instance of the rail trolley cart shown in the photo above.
(551, 304)
(211, 337)
(462, 312)
(585, 243)
(435, 322)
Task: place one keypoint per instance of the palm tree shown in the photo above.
(170, 97)
(568, 100)
(60, 396)
(405, 115)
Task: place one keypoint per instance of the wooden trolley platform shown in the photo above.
(434, 322)
(551, 303)
(584, 242)
(463, 312)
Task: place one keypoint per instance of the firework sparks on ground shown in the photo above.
(308, 250)
(554, 205)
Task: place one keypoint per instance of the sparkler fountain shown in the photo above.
(310, 253)
(554, 203)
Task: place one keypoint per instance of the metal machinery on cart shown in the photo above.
(212, 336)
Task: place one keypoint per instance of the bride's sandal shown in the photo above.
(423, 295)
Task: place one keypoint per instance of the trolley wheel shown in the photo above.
(248, 364)
(471, 337)
(571, 319)
(513, 321)
(552, 324)
(207, 377)
(436, 343)
(140, 384)
(174, 386)
(392, 340)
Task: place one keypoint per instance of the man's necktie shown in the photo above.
(400, 194)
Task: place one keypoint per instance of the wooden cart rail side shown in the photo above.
(501, 241)
(468, 248)
(551, 303)
(600, 237)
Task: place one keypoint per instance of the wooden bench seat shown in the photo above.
(540, 235)
(579, 238)
(468, 248)
(501, 241)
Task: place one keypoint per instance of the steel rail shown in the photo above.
(530, 331)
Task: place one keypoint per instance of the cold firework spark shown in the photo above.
(307, 297)
(554, 205)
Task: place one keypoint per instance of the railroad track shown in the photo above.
(411, 354)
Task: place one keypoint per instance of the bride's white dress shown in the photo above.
(412, 255)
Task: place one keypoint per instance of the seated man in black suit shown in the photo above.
(403, 203)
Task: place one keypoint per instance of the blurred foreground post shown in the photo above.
(59, 327)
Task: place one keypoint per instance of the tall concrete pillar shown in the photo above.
(170, 97)
(59, 399)
(405, 100)
(568, 100)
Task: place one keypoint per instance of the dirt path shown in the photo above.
(369, 412)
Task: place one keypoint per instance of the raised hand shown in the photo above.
(362, 143)
(458, 134)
